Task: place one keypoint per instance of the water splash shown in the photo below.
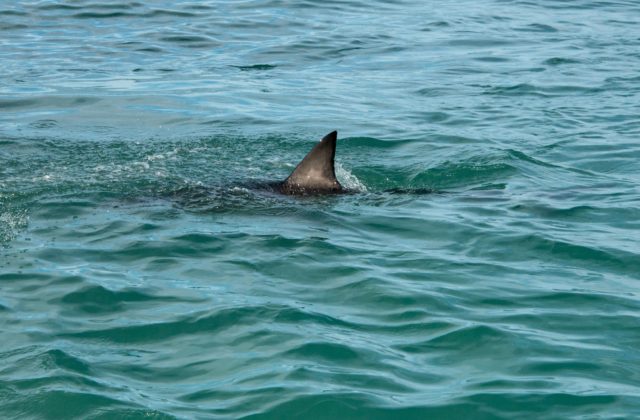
(349, 180)
(11, 223)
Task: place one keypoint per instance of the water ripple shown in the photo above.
(484, 265)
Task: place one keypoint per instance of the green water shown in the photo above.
(486, 264)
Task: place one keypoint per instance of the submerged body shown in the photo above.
(313, 176)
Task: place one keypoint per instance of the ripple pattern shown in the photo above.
(486, 265)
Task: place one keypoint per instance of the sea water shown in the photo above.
(486, 265)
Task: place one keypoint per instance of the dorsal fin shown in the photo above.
(316, 172)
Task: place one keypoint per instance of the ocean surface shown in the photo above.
(486, 264)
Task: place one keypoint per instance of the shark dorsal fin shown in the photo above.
(316, 172)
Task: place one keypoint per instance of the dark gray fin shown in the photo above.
(315, 174)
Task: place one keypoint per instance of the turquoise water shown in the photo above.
(143, 276)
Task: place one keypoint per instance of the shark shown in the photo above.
(315, 174)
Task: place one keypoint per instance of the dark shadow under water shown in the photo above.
(265, 194)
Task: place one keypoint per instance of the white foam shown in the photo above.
(348, 180)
